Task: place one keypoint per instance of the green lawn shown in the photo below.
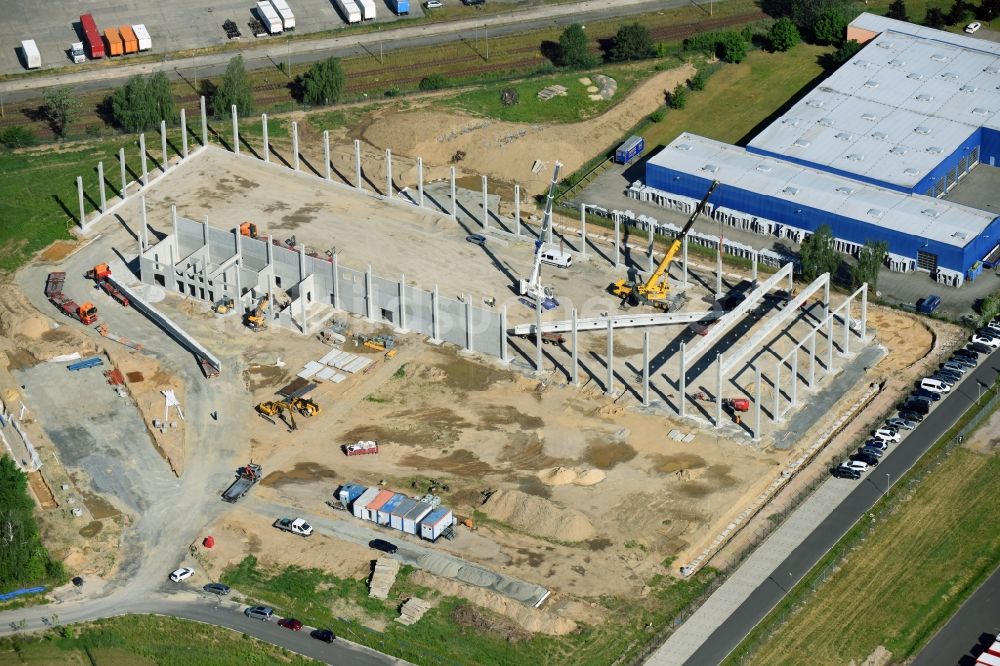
(311, 595)
(141, 640)
(905, 579)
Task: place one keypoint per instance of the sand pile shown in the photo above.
(562, 476)
(539, 516)
(590, 477)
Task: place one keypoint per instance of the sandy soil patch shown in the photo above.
(538, 515)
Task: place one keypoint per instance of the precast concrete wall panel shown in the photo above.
(322, 273)
(486, 332)
(418, 310)
(254, 253)
(452, 326)
(352, 290)
(286, 267)
(386, 294)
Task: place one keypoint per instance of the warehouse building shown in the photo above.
(869, 152)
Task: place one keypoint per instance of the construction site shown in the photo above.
(597, 405)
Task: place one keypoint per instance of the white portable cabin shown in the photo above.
(32, 58)
(367, 9)
(412, 518)
(142, 36)
(436, 522)
(285, 12)
(349, 10)
(269, 17)
(361, 503)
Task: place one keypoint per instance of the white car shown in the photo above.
(433, 4)
(181, 574)
(887, 434)
(973, 27)
(988, 341)
(856, 464)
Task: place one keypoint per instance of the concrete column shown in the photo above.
(645, 369)
(454, 200)
(611, 358)
(684, 261)
(503, 334)
(583, 230)
(468, 323)
(239, 246)
(718, 271)
(575, 363)
(864, 312)
(236, 131)
(163, 145)
(777, 392)
(302, 300)
(79, 193)
(718, 390)
(121, 164)
(295, 145)
(402, 302)
(173, 223)
(435, 319)
(270, 295)
(812, 360)
(184, 135)
(754, 258)
(388, 173)
(357, 164)
(517, 210)
(682, 385)
(327, 171)
(369, 304)
(757, 425)
(846, 345)
(649, 230)
(204, 123)
(265, 137)
(100, 183)
(829, 344)
(420, 182)
(145, 226)
(538, 334)
(795, 377)
(336, 284)
(302, 262)
(826, 298)
(618, 234)
(142, 156)
(269, 251)
(238, 298)
(486, 207)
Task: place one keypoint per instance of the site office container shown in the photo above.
(362, 502)
(371, 511)
(383, 514)
(115, 45)
(129, 39)
(413, 517)
(91, 37)
(142, 36)
(396, 515)
(349, 492)
(630, 149)
(435, 522)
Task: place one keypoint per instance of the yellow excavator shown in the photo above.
(306, 406)
(281, 410)
(255, 320)
(656, 289)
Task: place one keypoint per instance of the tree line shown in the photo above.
(23, 558)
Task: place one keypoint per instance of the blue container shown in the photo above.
(399, 7)
(350, 492)
(630, 149)
(929, 304)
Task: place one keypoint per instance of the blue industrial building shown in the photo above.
(868, 152)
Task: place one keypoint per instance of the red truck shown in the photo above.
(86, 313)
(361, 448)
(91, 36)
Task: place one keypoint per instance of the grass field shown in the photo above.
(141, 640)
(907, 576)
(311, 596)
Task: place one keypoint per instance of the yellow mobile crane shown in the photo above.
(656, 289)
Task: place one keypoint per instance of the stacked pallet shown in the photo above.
(383, 577)
(412, 610)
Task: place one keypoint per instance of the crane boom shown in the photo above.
(532, 286)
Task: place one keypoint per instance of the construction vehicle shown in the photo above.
(295, 526)
(255, 320)
(532, 287)
(547, 338)
(364, 447)
(86, 313)
(100, 274)
(246, 478)
(656, 290)
(248, 229)
(224, 305)
(736, 404)
(305, 406)
(376, 342)
(282, 410)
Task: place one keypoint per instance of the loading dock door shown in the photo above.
(927, 261)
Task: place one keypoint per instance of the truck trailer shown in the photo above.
(129, 39)
(400, 7)
(349, 10)
(269, 17)
(285, 12)
(115, 45)
(32, 58)
(86, 313)
(142, 36)
(367, 9)
(91, 37)
(246, 478)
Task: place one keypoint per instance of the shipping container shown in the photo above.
(413, 517)
(400, 7)
(367, 9)
(128, 38)
(91, 37)
(142, 36)
(32, 58)
(114, 42)
(349, 10)
(370, 511)
(396, 515)
(987, 659)
(383, 513)
(435, 522)
(269, 17)
(994, 649)
(630, 149)
(349, 492)
(285, 12)
(362, 501)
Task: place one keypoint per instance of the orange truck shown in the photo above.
(129, 40)
(114, 40)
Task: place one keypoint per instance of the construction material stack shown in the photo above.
(383, 577)
(91, 37)
(412, 610)
(86, 313)
(361, 448)
(32, 58)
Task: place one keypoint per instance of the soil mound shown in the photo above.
(538, 516)
(590, 477)
(557, 476)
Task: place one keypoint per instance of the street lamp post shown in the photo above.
(887, 483)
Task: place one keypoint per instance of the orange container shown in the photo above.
(114, 40)
(129, 40)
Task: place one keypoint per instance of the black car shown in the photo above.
(866, 458)
(981, 348)
(970, 354)
(918, 405)
(872, 451)
(324, 635)
(947, 376)
(842, 472)
(925, 393)
(911, 416)
(217, 588)
(383, 545)
(963, 362)
(476, 239)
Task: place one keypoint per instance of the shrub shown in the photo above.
(733, 47)
(324, 82)
(17, 137)
(657, 116)
(677, 97)
(433, 82)
(574, 48)
(783, 34)
(632, 42)
(509, 96)
(699, 80)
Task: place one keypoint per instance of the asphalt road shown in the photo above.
(972, 629)
(870, 488)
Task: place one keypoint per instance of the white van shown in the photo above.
(557, 258)
(934, 385)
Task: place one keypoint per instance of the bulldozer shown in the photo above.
(248, 229)
(282, 410)
(224, 305)
(255, 320)
(306, 406)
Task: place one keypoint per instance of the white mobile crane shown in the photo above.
(532, 287)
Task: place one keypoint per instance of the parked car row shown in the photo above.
(918, 404)
(266, 614)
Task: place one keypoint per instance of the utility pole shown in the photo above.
(487, 33)
(380, 60)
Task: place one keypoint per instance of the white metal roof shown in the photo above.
(897, 109)
(916, 215)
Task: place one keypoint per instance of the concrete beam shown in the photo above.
(486, 207)
(236, 132)
(264, 136)
(184, 135)
(624, 321)
(575, 351)
(295, 145)
(645, 369)
(517, 210)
